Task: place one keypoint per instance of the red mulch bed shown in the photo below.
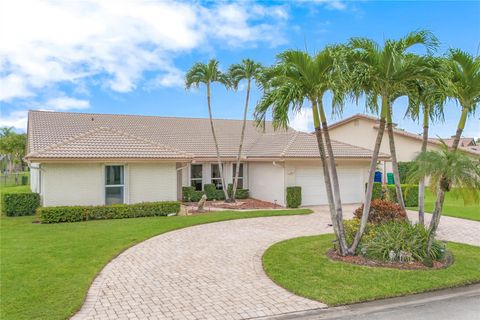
(362, 261)
(243, 204)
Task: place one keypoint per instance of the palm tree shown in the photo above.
(445, 169)
(247, 70)
(464, 86)
(296, 77)
(208, 74)
(426, 101)
(384, 72)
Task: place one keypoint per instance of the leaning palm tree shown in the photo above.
(250, 71)
(447, 168)
(297, 77)
(464, 86)
(381, 73)
(208, 74)
(426, 99)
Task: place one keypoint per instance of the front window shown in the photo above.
(240, 175)
(196, 176)
(216, 179)
(114, 184)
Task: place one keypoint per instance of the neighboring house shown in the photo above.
(96, 159)
(361, 130)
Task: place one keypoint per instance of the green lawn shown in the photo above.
(453, 207)
(300, 265)
(46, 270)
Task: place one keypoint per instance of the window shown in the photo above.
(196, 176)
(216, 180)
(240, 175)
(114, 184)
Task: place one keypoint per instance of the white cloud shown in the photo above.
(333, 4)
(48, 43)
(16, 119)
(302, 120)
(66, 103)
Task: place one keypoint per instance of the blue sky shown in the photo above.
(129, 57)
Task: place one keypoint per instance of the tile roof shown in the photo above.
(64, 135)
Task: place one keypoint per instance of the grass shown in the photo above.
(46, 270)
(453, 207)
(301, 266)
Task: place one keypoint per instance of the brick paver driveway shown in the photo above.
(214, 271)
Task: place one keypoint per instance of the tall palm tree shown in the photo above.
(464, 86)
(250, 71)
(381, 73)
(426, 101)
(206, 74)
(297, 77)
(445, 169)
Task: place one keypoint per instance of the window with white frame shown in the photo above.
(196, 176)
(216, 179)
(240, 175)
(114, 184)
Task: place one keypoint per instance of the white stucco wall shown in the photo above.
(152, 182)
(35, 177)
(72, 184)
(267, 182)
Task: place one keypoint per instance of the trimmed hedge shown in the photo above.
(404, 170)
(409, 191)
(377, 192)
(189, 194)
(294, 197)
(240, 194)
(116, 211)
(20, 204)
(212, 192)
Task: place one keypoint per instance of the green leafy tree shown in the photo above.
(206, 74)
(250, 71)
(297, 77)
(447, 168)
(12, 147)
(384, 73)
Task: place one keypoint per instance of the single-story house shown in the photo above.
(97, 159)
(361, 130)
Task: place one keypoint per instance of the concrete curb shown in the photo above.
(381, 305)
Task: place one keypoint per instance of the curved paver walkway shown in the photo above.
(212, 271)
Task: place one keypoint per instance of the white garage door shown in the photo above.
(310, 178)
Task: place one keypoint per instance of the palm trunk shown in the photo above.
(437, 212)
(242, 136)
(393, 154)
(371, 176)
(326, 173)
(460, 127)
(335, 182)
(421, 185)
(220, 165)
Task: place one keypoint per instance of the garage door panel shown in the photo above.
(310, 178)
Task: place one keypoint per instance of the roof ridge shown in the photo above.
(135, 115)
(104, 128)
(289, 143)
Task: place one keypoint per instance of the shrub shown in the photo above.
(377, 192)
(20, 204)
(409, 191)
(294, 197)
(404, 170)
(382, 211)
(351, 227)
(189, 194)
(116, 211)
(210, 191)
(402, 241)
(240, 194)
